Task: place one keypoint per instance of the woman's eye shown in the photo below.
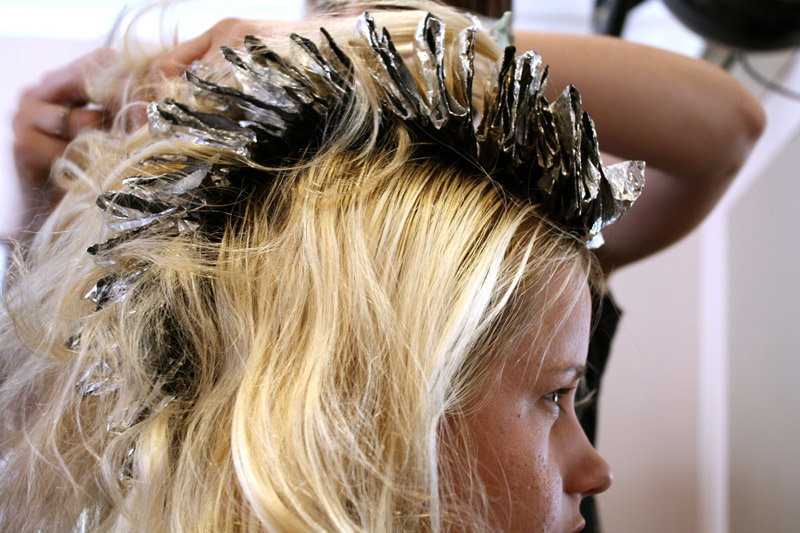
(558, 397)
(553, 396)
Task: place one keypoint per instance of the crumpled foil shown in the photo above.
(122, 420)
(540, 152)
(98, 379)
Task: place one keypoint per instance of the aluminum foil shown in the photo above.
(545, 153)
(284, 108)
(134, 413)
(99, 379)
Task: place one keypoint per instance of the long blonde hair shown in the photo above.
(293, 374)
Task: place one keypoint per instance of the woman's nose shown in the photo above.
(598, 473)
(587, 473)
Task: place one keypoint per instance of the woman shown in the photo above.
(312, 318)
(401, 339)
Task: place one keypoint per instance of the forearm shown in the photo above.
(682, 115)
(690, 121)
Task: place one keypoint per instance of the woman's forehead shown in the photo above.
(557, 340)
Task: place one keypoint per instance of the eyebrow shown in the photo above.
(578, 371)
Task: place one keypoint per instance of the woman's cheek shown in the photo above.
(526, 497)
(535, 484)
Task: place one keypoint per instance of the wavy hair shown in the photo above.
(294, 373)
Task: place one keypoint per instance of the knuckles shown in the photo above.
(227, 24)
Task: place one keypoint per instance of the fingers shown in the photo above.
(34, 153)
(175, 61)
(206, 47)
(56, 120)
(48, 116)
(64, 122)
(66, 84)
(169, 64)
(63, 86)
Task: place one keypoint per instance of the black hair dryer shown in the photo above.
(743, 24)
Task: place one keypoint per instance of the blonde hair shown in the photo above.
(293, 374)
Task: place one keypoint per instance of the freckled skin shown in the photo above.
(532, 454)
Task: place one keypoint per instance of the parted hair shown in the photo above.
(323, 338)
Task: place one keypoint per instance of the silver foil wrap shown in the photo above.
(541, 152)
(285, 108)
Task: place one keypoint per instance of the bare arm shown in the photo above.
(692, 123)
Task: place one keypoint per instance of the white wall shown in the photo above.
(648, 405)
(765, 349)
(711, 444)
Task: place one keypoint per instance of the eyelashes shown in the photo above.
(559, 397)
